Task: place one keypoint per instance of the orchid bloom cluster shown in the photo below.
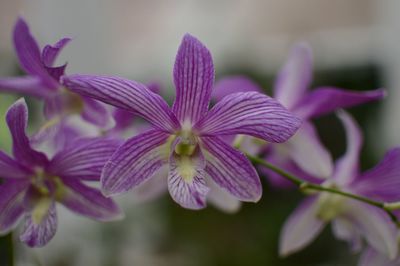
(198, 154)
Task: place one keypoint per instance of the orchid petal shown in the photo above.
(231, 170)
(371, 257)
(295, 77)
(126, 94)
(376, 226)
(134, 162)
(88, 201)
(222, 199)
(382, 181)
(28, 85)
(186, 180)
(346, 230)
(233, 84)
(17, 121)
(324, 100)
(153, 187)
(193, 78)
(96, 113)
(38, 235)
(301, 228)
(84, 158)
(309, 154)
(51, 52)
(56, 72)
(9, 168)
(11, 204)
(347, 167)
(29, 54)
(249, 113)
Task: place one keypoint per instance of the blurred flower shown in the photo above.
(43, 79)
(290, 90)
(33, 183)
(351, 220)
(371, 257)
(187, 137)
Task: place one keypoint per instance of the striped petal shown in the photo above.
(233, 84)
(295, 77)
(324, 100)
(38, 235)
(347, 167)
(126, 94)
(301, 228)
(193, 78)
(135, 162)
(17, 121)
(88, 201)
(249, 113)
(231, 170)
(186, 180)
(83, 158)
(11, 204)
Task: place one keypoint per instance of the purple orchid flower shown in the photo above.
(351, 220)
(291, 91)
(32, 183)
(43, 79)
(186, 138)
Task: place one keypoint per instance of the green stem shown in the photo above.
(303, 185)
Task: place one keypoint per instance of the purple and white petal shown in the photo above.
(295, 77)
(308, 152)
(344, 229)
(371, 257)
(249, 113)
(186, 180)
(28, 85)
(222, 199)
(29, 54)
(17, 121)
(38, 235)
(383, 181)
(153, 187)
(347, 167)
(126, 94)
(231, 170)
(324, 100)
(233, 84)
(84, 158)
(301, 228)
(96, 113)
(88, 201)
(11, 204)
(51, 52)
(193, 79)
(135, 161)
(12, 169)
(375, 225)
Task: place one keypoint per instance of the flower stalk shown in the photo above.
(306, 186)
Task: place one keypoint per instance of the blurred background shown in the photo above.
(355, 44)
